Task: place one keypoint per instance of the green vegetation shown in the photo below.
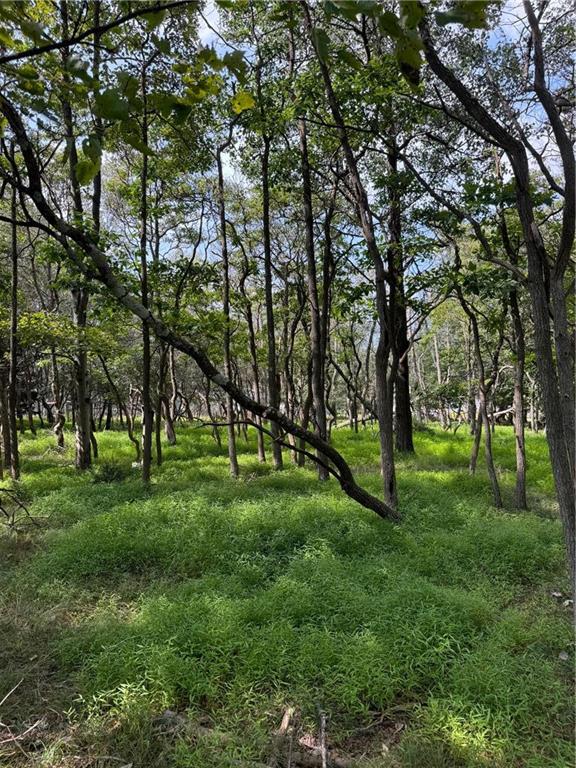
(226, 601)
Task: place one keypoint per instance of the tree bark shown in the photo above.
(559, 430)
(13, 370)
(273, 387)
(386, 357)
(232, 452)
(147, 410)
(316, 342)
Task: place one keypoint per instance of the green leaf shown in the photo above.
(470, 14)
(408, 53)
(154, 20)
(161, 43)
(92, 148)
(78, 68)
(27, 72)
(5, 40)
(390, 25)
(131, 134)
(129, 85)
(321, 43)
(241, 101)
(349, 58)
(181, 112)
(110, 105)
(86, 170)
(411, 13)
(330, 8)
(235, 62)
(32, 29)
(347, 8)
(163, 102)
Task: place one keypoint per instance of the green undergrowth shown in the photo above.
(227, 601)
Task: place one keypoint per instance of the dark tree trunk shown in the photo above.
(403, 420)
(108, 422)
(83, 400)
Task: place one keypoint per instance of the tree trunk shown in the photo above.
(232, 452)
(386, 356)
(404, 431)
(13, 371)
(518, 402)
(273, 388)
(83, 400)
(316, 343)
(147, 411)
(5, 414)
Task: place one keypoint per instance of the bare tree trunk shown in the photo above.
(316, 343)
(253, 351)
(386, 357)
(273, 388)
(518, 403)
(403, 416)
(477, 436)
(83, 400)
(232, 452)
(147, 411)
(546, 271)
(13, 370)
(482, 403)
(122, 407)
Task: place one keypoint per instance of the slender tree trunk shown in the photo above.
(477, 435)
(273, 388)
(83, 400)
(518, 402)
(385, 353)
(122, 407)
(253, 351)
(93, 441)
(482, 404)
(109, 416)
(5, 413)
(13, 371)
(232, 452)
(147, 411)
(316, 343)
(79, 292)
(403, 420)
(60, 419)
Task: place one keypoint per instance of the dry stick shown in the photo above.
(10, 692)
(323, 738)
(20, 735)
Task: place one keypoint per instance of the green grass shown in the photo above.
(227, 601)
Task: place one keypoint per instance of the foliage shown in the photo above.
(226, 601)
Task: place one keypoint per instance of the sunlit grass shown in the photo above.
(229, 600)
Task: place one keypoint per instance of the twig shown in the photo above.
(11, 691)
(21, 735)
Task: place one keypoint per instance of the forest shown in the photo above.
(287, 405)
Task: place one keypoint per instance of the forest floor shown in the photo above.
(212, 623)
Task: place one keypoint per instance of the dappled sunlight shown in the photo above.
(230, 600)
